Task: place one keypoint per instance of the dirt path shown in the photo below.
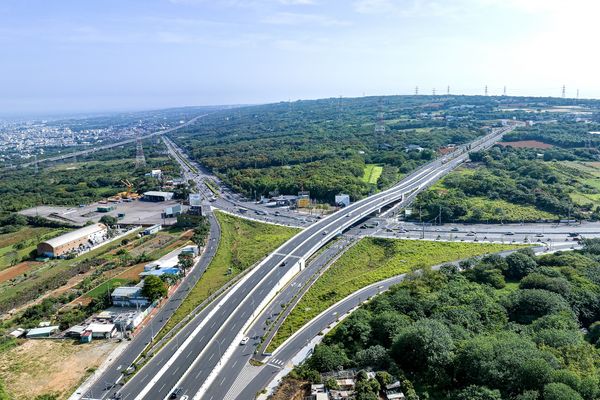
(16, 270)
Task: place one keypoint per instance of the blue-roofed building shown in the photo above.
(161, 271)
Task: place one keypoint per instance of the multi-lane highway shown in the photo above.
(297, 346)
(106, 146)
(106, 384)
(198, 362)
(227, 200)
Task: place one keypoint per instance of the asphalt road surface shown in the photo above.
(284, 355)
(197, 364)
(106, 385)
(107, 146)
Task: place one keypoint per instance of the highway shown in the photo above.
(106, 146)
(546, 234)
(296, 348)
(105, 385)
(229, 201)
(196, 365)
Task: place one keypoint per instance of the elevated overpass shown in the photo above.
(199, 358)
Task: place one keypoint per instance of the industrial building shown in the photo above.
(74, 241)
(42, 332)
(129, 296)
(342, 200)
(195, 201)
(172, 211)
(157, 196)
(101, 331)
(152, 230)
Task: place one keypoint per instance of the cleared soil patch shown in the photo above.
(531, 144)
(50, 366)
(132, 273)
(17, 270)
(291, 389)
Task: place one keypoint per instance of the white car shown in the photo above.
(244, 341)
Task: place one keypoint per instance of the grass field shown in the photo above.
(243, 243)
(502, 211)
(110, 284)
(372, 260)
(50, 275)
(587, 189)
(372, 173)
(27, 238)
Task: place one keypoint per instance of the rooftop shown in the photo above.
(126, 291)
(46, 330)
(100, 328)
(157, 193)
(76, 234)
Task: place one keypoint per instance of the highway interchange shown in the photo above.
(206, 345)
(205, 358)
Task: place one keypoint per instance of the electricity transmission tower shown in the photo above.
(140, 160)
(380, 125)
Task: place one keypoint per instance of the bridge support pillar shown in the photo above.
(301, 264)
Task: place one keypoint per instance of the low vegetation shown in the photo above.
(94, 178)
(372, 173)
(49, 369)
(506, 184)
(243, 243)
(369, 261)
(460, 335)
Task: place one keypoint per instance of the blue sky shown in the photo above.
(92, 55)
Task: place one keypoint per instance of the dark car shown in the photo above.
(175, 393)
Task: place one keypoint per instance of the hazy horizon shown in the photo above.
(68, 56)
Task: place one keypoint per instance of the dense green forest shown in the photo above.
(553, 180)
(324, 145)
(520, 327)
(92, 178)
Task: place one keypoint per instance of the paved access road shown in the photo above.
(547, 234)
(197, 364)
(297, 345)
(232, 202)
(290, 294)
(106, 385)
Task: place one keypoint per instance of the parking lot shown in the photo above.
(136, 212)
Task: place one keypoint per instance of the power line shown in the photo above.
(380, 125)
(140, 159)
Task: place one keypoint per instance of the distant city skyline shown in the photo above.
(69, 56)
